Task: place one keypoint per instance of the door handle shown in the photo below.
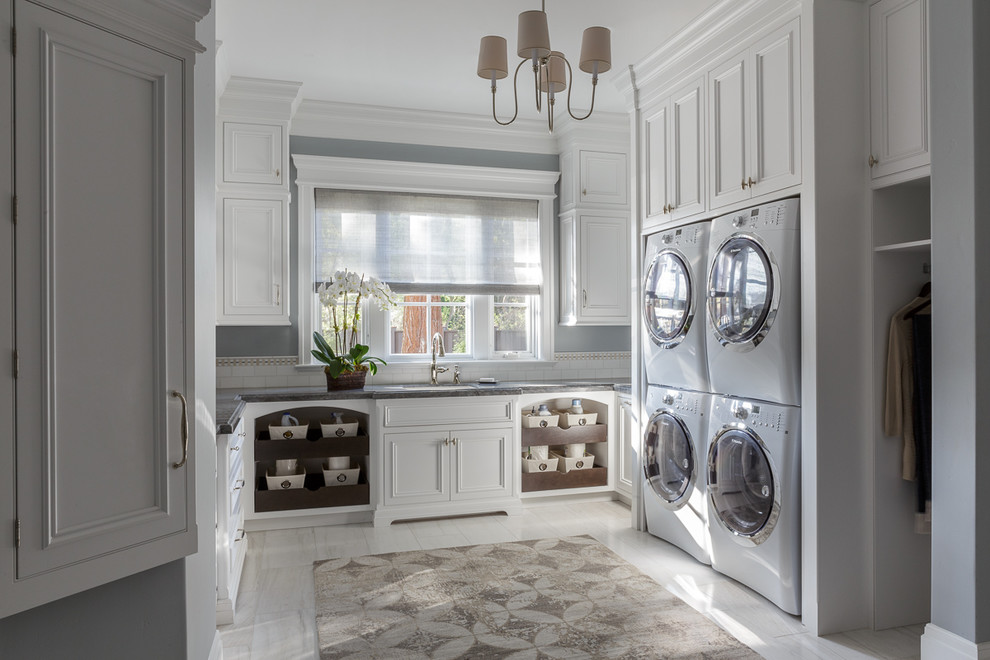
(185, 430)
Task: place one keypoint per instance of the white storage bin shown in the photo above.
(347, 429)
(565, 464)
(569, 419)
(286, 482)
(531, 421)
(538, 465)
(347, 477)
(276, 432)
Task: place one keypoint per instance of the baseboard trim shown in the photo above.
(940, 644)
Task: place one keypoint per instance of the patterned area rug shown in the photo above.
(550, 598)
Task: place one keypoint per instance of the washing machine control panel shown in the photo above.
(768, 216)
(755, 416)
(682, 402)
(684, 236)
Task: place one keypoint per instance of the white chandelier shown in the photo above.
(533, 44)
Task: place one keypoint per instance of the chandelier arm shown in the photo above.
(515, 97)
(536, 83)
(594, 85)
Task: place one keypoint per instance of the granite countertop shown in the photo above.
(230, 403)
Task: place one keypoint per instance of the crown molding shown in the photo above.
(606, 130)
(370, 174)
(256, 98)
(166, 24)
(720, 29)
(328, 119)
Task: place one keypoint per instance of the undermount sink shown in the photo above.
(427, 388)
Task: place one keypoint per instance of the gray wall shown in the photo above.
(141, 616)
(235, 341)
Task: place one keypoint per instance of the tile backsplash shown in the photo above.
(281, 371)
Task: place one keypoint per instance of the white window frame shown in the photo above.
(314, 172)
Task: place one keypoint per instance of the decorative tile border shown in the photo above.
(291, 360)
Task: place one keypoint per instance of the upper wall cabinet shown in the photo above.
(594, 177)
(594, 268)
(254, 153)
(675, 155)
(754, 120)
(253, 201)
(899, 89)
(103, 470)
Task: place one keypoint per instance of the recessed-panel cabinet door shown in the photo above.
(776, 113)
(729, 132)
(255, 262)
(101, 313)
(898, 85)
(656, 136)
(604, 286)
(482, 463)
(417, 467)
(687, 174)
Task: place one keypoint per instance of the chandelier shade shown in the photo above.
(533, 37)
(552, 73)
(492, 59)
(596, 50)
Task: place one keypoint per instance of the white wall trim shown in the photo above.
(367, 174)
(348, 121)
(293, 360)
(940, 644)
(255, 98)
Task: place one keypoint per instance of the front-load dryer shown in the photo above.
(754, 498)
(673, 305)
(753, 305)
(674, 451)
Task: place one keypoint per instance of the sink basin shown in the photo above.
(427, 388)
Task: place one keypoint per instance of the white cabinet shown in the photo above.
(104, 481)
(603, 178)
(446, 457)
(253, 198)
(231, 539)
(254, 261)
(594, 268)
(440, 466)
(899, 87)
(628, 432)
(754, 119)
(253, 153)
(675, 155)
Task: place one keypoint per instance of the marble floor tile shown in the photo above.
(275, 617)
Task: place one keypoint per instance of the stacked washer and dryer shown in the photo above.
(721, 351)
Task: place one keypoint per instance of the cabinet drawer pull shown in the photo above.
(235, 448)
(238, 484)
(240, 535)
(185, 431)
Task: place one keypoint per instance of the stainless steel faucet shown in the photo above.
(437, 346)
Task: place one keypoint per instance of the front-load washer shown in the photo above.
(753, 304)
(675, 266)
(674, 451)
(754, 498)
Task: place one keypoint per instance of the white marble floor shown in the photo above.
(275, 609)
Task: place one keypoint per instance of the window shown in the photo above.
(465, 249)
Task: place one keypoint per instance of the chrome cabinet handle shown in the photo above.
(235, 448)
(278, 295)
(238, 484)
(584, 297)
(185, 430)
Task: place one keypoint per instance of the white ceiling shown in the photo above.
(423, 54)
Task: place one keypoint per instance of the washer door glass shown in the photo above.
(668, 457)
(740, 290)
(667, 297)
(740, 482)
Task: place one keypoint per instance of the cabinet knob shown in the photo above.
(238, 485)
(584, 297)
(240, 535)
(744, 184)
(446, 441)
(278, 173)
(584, 192)
(873, 160)
(751, 182)
(453, 441)
(235, 448)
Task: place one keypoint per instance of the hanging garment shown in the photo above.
(898, 418)
(922, 332)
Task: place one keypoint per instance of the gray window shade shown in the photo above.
(415, 242)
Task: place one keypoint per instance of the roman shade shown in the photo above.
(430, 243)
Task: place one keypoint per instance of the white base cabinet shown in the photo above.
(440, 457)
(231, 540)
(627, 435)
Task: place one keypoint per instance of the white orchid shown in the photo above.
(342, 295)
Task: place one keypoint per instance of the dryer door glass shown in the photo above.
(668, 457)
(740, 290)
(740, 483)
(667, 299)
